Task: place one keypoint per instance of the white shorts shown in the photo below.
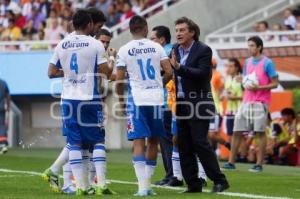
(251, 117)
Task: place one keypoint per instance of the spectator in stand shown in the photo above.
(52, 16)
(7, 5)
(27, 7)
(103, 5)
(92, 3)
(127, 12)
(289, 18)
(138, 6)
(36, 16)
(20, 19)
(67, 14)
(8, 15)
(55, 32)
(12, 33)
(276, 28)
(45, 7)
(287, 37)
(263, 27)
(28, 31)
(56, 5)
(113, 17)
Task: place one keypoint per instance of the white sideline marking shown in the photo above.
(242, 195)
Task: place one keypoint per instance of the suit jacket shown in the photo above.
(195, 79)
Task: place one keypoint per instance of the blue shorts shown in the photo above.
(144, 122)
(82, 121)
(174, 127)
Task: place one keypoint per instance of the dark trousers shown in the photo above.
(192, 139)
(166, 145)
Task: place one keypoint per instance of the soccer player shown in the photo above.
(253, 113)
(51, 174)
(78, 58)
(143, 59)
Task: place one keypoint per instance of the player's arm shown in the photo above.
(111, 62)
(274, 83)
(167, 68)
(54, 71)
(105, 70)
(120, 76)
(54, 68)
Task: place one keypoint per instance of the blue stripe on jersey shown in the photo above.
(58, 64)
(96, 92)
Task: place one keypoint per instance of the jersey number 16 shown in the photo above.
(149, 68)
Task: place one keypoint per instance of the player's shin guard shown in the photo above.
(176, 164)
(75, 159)
(201, 173)
(149, 171)
(85, 166)
(139, 163)
(67, 174)
(61, 160)
(99, 159)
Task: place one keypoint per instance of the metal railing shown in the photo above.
(263, 13)
(39, 45)
(271, 39)
(117, 29)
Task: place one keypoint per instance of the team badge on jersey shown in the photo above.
(130, 125)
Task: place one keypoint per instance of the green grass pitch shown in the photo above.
(274, 183)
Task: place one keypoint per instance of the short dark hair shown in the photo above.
(258, 41)
(288, 111)
(103, 32)
(137, 24)
(163, 31)
(192, 26)
(96, 15)
(81, 19)
(236, 64)
(265, 23)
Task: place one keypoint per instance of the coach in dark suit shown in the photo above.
(191, 60)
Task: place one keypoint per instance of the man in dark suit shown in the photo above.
(191, 60)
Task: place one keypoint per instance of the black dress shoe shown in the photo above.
(203, 182)
(220, 187)
(192, 190)
(174, 182)
(162, 182)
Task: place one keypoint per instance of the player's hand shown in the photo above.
(239, 78)
(173, 60)
(253, 88)
(112, 52)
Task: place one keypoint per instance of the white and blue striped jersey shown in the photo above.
(142, 61)
(79, 56)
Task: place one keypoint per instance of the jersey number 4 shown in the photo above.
(73, 63)
(149, 68)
